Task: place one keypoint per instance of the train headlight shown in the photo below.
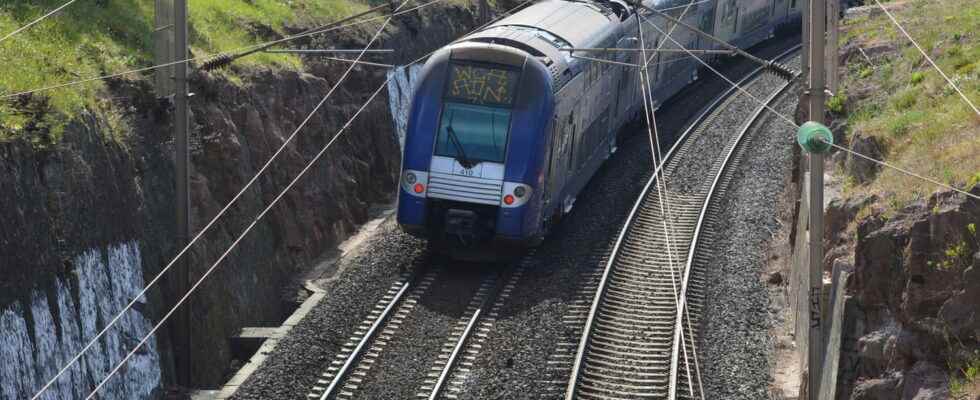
(515, 195)
(415, 183)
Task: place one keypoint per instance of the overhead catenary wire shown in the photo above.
(214, 55)
(687, 362)
(693, 3)
(795, 125)
(272, 204)
(725, 78)
(34, 22)
(257, 219)
(236, 50)
(214, 220)
(227, 58)
(690, 330)
(626, 64)
(655, 154)
(929, 59)
(902, 170)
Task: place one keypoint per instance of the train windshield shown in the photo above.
(476, 113)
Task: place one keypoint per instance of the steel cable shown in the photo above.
(214, 55)
(663, 199)
(687, 366)
(32, 23)
(207, 227)
(931, 62)
(266, 210)
(248, 229)
(792, 123)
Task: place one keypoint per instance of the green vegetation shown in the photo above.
(922, 123)
(92, 38)
(836, 104)
(959, 255)
(963, 382)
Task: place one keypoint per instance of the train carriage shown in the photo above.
(507, 125)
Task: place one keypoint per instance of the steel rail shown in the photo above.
(368, 337)
(453, 356)
(698, 231)
(450, 363)
(590, 324)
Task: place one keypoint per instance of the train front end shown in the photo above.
(474, 148)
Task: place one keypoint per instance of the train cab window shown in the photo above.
(476, 113)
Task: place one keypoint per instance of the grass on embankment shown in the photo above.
(924, 125)
(98, 37)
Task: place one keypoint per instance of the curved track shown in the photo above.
(639, 337)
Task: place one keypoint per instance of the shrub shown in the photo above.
(917, 78)
(836, 104)
(959, 385)
(974, 180)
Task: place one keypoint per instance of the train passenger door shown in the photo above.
(626, 92)
(554, 154)
(728, 13)
(561, 160)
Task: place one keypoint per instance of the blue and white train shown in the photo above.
(506, 128)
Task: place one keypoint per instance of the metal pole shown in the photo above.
(833, 56)
(805, 50)
(817, 98)
(182, 337)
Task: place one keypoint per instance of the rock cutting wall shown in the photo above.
(108, 183)
(911, 312)
(39, 340)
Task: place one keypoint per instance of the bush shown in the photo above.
(917, 78)
(836, 104)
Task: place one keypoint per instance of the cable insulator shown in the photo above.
(781, 71)
(218, 62)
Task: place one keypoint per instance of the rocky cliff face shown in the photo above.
(102, 186)
(911, 316)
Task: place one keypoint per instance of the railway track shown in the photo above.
(356, 357)
(640, 332)
(348, 371)
(448, 377)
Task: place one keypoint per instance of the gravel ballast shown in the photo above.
(530, 342)
(519, 356)
(736, 346)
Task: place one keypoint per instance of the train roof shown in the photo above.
(545, 27)
(578, 23)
